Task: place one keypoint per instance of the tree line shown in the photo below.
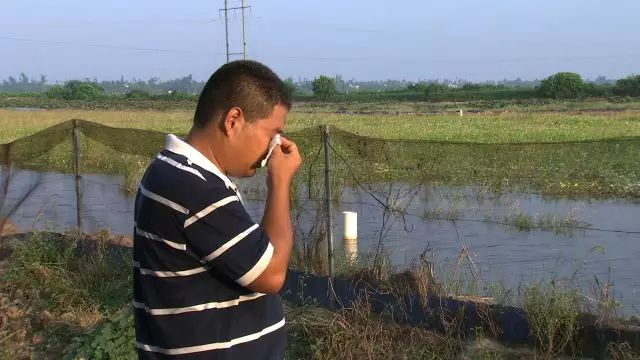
(562, 85)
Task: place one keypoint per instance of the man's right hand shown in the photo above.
(283, 163)
(282, 166)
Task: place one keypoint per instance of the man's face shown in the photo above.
(250, 143)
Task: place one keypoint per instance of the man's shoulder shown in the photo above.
(174, 175)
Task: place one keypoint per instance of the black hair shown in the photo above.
(246, 84)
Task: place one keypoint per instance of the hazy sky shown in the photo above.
(465, 39)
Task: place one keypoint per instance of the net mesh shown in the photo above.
(582, 168)
(410, 195)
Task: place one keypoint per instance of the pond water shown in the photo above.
(603, 242)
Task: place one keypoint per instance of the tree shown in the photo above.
(56, 92)
(323, 87)
(629, 86)
(563, 85)
(137, 94)
(76, 90)
(289, 86)
(431, 90)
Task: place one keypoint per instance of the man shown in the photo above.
(206, 276)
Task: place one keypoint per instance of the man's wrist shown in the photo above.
(279, 184)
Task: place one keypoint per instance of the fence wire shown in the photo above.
(409, 194)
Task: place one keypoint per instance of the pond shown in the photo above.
(499, 234)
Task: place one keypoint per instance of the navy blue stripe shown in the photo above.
(269, 347)
(207, 326)
(223, 225)
(159, 220)
(243, 256)
(184, 291)
(185, 188)
(160, 257)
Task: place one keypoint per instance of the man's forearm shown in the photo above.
(277, 224)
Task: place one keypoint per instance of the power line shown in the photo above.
(108, 46)
(323, 58)
(101, 24)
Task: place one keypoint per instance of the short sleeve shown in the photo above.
(223, 235)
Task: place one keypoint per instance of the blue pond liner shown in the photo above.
(303, 289)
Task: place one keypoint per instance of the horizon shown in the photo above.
(305, 79)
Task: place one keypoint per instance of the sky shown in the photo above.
(475, 40)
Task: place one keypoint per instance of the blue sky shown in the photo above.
(475, 40)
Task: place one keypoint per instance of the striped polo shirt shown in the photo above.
(195, 249)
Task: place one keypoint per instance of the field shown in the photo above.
(474, 147)
(504, 127)
(60, 303)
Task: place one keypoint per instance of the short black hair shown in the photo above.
(247, 84)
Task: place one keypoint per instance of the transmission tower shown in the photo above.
(226, 10)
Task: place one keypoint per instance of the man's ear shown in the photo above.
(233, 121)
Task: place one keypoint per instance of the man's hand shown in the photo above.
(283, 165)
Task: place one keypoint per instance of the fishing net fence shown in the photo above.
(476, 201)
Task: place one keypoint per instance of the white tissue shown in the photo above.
(274, 141)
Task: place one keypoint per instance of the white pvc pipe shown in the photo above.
(350, 225)
(351, 235)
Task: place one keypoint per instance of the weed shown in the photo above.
(622, 351)
(552, 312)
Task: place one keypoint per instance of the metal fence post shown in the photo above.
(327, 191)
(76, 172)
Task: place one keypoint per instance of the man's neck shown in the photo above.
(201, 141)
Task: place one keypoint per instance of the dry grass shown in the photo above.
(27, 330)
(48, 294)
(356, 333)
(491, 128)
(16, 124)
(552, 312)
(622, 351)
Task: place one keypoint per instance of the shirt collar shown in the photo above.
(180, 147)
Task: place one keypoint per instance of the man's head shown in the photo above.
(242, 106)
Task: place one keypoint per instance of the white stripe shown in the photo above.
(199, 307)
(174, 245)
(144, 271)
(230, 243)
(206, 211)
(180, 166)
(212, 346)
(164, 201)
(258, 268)
(178, 146)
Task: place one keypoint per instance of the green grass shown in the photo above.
(386, 101)
(58, 294)
(60, 305)
(81, 296)
(473, 152)
(605, 168)
(552, 312)
(65, 280)
(519, 126)
(112, 338)
(501, 128)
